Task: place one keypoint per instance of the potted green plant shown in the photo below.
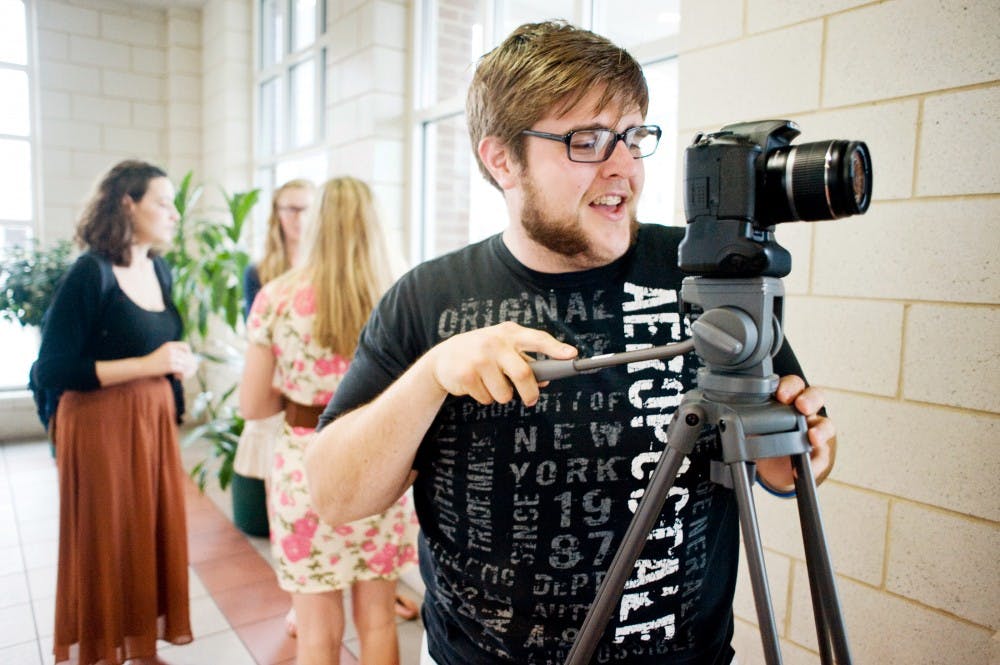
(28, 279)
(208, 260)
(29, 275)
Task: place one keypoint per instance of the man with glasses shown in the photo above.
(524, 491)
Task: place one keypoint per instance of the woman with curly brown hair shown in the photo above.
(111, 343)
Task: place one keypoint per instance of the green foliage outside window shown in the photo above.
(28, 279)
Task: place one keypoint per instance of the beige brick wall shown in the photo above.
(107, 75)
(895, 313)
(174, 86)
(367, 78)
(226, 91)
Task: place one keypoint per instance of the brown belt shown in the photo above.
(300, 415)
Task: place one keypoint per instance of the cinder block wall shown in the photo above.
(107, 77)
(226, 91)
(366, 117)
(115, 81)
(895, 313)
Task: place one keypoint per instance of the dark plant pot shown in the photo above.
(250, 506)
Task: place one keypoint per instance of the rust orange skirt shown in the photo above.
(123, 567)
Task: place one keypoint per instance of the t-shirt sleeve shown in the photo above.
(251, 287)
(785, 363)
(65, 358)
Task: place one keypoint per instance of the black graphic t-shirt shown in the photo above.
(522, 508)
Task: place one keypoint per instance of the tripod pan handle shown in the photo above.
(547, 370)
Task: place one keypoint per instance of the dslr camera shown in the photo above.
(744, 179)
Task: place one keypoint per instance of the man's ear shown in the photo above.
(499, 162)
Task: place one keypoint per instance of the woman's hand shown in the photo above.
(174, 358)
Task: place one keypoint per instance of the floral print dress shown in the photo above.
(311, 555)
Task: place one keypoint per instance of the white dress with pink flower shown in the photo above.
(313, 556)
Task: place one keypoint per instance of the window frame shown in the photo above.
(426, 111)
(266, 166)
(30, 68)
(35, 221)
(285, 149)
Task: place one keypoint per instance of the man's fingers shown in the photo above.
(789, 387)
(810, 401)
(521, 378)
(491, 364)
(497, 384)
(820, 429)
(539, 341)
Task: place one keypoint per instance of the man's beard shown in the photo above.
(564, 234)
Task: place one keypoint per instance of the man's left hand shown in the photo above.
(776, 472)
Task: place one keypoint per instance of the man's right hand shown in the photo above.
(489, 364)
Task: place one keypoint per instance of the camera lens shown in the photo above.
(816, 181)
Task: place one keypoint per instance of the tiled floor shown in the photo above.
(237, 609)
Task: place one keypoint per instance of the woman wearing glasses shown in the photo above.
(289, 206)
(289, 209)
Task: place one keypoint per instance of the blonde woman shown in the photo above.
(303, 328)
(290, 206)
(289, 209)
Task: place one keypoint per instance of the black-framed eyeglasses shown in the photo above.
(596, 145)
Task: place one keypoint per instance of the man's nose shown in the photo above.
(621, 163)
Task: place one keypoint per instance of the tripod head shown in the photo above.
(736, 332)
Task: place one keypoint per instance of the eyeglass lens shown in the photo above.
(596, 145)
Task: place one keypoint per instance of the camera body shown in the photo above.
(744, 179)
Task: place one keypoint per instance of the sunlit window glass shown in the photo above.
(13, 37)
(303, 24)
(659, 192)
(455, 40)
(15, 179)
(645, 21)
(14, 118)
(447, 166)
(459, 205)
(272, 33)
(302, 98)
(517, 13)
(311, 167)
(270, 116)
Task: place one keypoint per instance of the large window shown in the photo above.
(17, 169)
(292, 49)
(455, 204)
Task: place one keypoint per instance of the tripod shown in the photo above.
(735, 336)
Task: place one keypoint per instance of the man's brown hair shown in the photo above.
(546, 67)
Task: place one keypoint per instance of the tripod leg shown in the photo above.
(681, 442)
(822, 585)
(755, 560)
